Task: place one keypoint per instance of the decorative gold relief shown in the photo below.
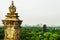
(10, 32)
(11, 24)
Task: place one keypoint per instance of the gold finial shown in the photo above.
(12, 8)
(12, 3)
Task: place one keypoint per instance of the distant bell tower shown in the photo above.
(12, 24)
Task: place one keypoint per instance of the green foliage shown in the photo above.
(36, 33)
(1, 33)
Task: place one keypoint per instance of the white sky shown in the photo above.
(34, 11)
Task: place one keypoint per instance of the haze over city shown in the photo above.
(33, 12)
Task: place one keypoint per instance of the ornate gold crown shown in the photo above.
(12, 8)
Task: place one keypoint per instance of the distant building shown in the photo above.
(12, 24)
(44, 28)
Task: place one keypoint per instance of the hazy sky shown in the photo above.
(34, 11)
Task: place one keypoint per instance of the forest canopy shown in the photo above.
(36, 33)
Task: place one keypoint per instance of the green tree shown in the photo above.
(47, 35)
(55, 36)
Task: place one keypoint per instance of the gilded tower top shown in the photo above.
(12, 8)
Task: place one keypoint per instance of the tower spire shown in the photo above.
(12, 8)
(12, 3)
(12, 24)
